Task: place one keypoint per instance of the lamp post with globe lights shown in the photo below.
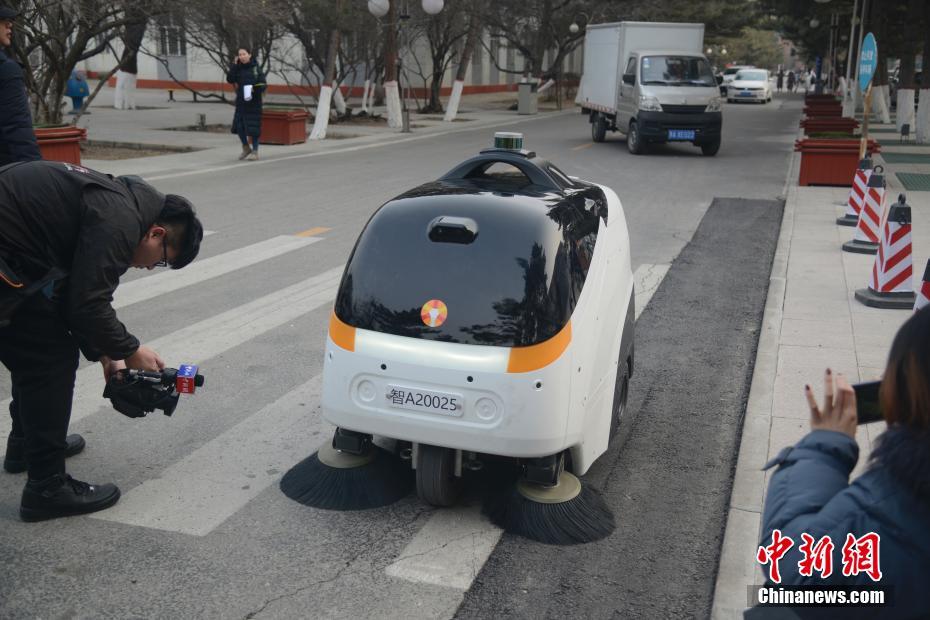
(398, 113)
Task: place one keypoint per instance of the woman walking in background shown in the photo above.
(791, 81)
(780, 80)
(250, 84)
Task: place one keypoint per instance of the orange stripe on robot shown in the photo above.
(342, 335)
(534, 357)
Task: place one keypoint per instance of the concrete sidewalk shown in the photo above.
(812, 321)
(149, 125)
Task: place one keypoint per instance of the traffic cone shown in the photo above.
(892, 272)
(857, 193)
(923, 295)
(866, 239)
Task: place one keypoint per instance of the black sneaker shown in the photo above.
(15, 460)
(63, 496)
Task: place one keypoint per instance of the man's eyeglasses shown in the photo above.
(164, 248)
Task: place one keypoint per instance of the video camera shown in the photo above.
(134, 393)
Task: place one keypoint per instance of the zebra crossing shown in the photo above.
(201, 490)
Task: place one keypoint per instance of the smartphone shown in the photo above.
(867, 405)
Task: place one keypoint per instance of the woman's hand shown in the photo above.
(839, 408)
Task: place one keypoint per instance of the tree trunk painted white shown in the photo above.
(851, 101)
(339, 101)
(118, 90)
(322, 114)
(923, 116)
(392, 99)
(880, 104)
(365, 96)
(841, 87)
(452, 108)
(545, 87)
(125, 93)
(905, 109)
(129, 92)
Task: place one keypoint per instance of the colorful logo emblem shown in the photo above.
(434, 313)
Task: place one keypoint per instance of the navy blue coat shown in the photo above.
(810, 493)
(17, 139)
(248, 113)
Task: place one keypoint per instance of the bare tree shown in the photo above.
(53, 37)
(539, 30)
(474, 10)
(442, 34)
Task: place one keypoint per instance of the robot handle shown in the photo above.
(534, 168)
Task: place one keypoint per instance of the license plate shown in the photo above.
(681, 134)
(745, 93)
(428, 401)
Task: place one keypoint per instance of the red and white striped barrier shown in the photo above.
(868, 229)
(923, 295)
(857, 193)
(891, 283)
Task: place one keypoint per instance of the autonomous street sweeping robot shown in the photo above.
(486, 314)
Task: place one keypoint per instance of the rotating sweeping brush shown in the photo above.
(568, 513)
(336, 480)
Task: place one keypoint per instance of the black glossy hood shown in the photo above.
(506, 260)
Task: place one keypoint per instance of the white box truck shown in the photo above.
(651, 81)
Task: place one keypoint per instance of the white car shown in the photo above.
(750, 85)
(727, 77)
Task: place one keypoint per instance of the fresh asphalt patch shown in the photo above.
(668, 475)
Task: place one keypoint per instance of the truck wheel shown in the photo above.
(634, 141)
(710, 148)
(599, 128)
(436, 481)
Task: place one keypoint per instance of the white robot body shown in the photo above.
(523, 401)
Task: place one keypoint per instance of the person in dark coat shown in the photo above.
(810, 492)
(67, 235)
(791, 81)
(17, 138)
(780, 80)
(250, 84)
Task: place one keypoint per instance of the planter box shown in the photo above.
(284, 126)
(808, 99)
(824, 109)
(840, 124)
(830, 162)
(61, 143)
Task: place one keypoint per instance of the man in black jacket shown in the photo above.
(17, 139)
(67, 234)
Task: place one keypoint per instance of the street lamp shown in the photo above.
(380, 8)
(575, 27)
(432, 7)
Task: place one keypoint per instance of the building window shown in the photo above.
(171, 40)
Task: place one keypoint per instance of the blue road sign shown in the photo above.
(868, 61)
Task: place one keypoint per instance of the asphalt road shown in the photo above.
(202, 529)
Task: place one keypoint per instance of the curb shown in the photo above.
(737, 567)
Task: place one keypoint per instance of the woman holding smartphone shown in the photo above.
(886, 509)
(250, 84)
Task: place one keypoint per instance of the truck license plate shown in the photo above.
(415, 399)
(681, 134)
